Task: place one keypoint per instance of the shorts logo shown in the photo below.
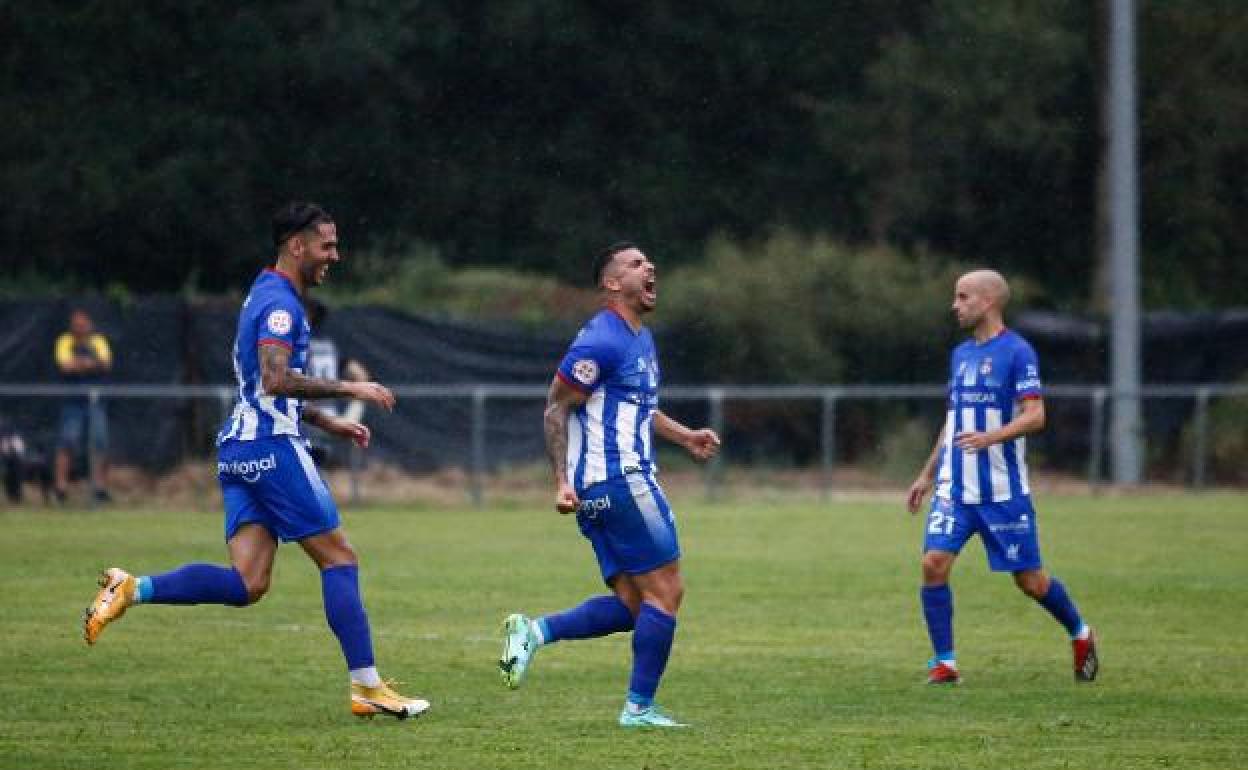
(1011, 552)
(585, 371)
(250, 470)
(279, 322)
(595, 505)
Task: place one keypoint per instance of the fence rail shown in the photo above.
(829, 397)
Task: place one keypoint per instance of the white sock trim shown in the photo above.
(366, 677)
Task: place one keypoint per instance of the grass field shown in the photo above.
(800, 645)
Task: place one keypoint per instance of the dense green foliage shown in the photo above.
(800, 645)
(792, 308)
(146, 143)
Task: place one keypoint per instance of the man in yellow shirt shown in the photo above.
(83, 357)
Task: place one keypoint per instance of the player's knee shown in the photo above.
(342, 557)
(257, 586)
(1034, 584)
(667, 596)
(936, 568)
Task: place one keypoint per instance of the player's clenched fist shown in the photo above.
(566, 500)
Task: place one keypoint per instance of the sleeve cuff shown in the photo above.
(571, 382)
(274, 341)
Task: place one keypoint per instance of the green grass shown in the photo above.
(800, 645)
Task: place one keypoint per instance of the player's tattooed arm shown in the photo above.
(561, 399)
(278, 379)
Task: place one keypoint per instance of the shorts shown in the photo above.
(1008, 530)
(82, 421)
(629, 524)
(274, 483)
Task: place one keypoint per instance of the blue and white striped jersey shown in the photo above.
(272, 314)
(610, 435)
(987, 380)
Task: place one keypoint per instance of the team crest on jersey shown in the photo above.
(279, 322)
(985, 367)
(585, 371)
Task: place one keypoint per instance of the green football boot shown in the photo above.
(650, 717)
(519, 647)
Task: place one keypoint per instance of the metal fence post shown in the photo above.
(225, 398)
(477, 470)
(715, 404)
(827, 442)
(1096, 438)
(1200, 444)
(93, 403)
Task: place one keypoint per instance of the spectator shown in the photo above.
(22, 463)
(325, 361)
(83, 358)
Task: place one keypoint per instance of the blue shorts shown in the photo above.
(1008, 530)
(274, 483)
(628, 522)
(82, 421)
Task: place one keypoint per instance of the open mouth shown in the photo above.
(648, 287)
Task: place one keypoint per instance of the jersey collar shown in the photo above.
(991, 339)
(624, 321)
(281, 275)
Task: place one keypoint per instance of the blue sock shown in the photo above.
(652, 645)
(1060, 606)
(596, 616)
(195, 584)
(340, 590)
(938, 612)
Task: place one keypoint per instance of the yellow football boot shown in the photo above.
(369, 701)
(117, 592)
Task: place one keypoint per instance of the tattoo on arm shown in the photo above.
(555, 423)
(278, 379)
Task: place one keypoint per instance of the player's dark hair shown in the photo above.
(604, 257)
(294, 218)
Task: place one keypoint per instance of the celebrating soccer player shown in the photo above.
(979, 471)
(271, 489)
(600, 412)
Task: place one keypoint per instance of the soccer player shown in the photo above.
(979, 471)
(271, 489)
(601, 410)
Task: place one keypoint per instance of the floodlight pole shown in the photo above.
(1124, 246)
